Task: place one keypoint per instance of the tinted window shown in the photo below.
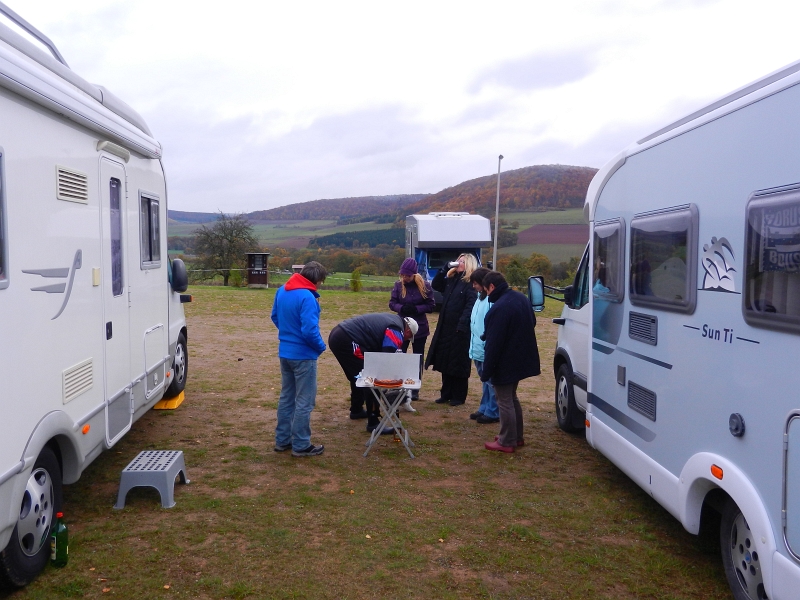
(150, 231)
(115, 215)
(3, 247)
(663, 269)
(580, 289)
(608, 281)
(772, 261)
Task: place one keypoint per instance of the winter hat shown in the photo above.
(411, 323)
(409, 267)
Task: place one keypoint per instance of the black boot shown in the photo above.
(357, 411)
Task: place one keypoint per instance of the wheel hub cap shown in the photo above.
(36, 512)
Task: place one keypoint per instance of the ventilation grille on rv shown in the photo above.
(77, 380)
(72, 186)
(642, 400)
(643, 328)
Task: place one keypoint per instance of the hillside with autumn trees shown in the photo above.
(539, 187)
(338, 208)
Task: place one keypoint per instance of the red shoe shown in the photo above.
(520, 443)
(496, 446)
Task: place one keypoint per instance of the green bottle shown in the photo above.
(59, 542)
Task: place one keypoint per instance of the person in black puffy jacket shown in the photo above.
(449, 350)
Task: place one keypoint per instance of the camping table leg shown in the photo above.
(391, 418)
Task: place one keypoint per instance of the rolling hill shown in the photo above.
(539, 187)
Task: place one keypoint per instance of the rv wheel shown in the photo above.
(739, 555)
(566, 409)
(29, 547)
(181, 366)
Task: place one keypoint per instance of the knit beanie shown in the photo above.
(409, 267)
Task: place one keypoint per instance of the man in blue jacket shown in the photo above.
(295, 313)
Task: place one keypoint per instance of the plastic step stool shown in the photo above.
(153, 468)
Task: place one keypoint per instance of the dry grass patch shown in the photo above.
(555, 520)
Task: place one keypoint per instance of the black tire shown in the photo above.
(180, 365)
(740, 556)
(567, 412)
(28, 550)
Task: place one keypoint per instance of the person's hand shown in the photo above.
(408, 310)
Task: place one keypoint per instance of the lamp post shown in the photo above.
(496, 215)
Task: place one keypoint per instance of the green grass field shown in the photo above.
(573, 216)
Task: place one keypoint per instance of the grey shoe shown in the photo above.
(310, 451)
(282, 448)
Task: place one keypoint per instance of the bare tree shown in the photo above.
(222, 246)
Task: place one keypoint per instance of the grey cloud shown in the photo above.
(540, 71)
(218, 165)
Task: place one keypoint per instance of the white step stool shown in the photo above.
(153, 468)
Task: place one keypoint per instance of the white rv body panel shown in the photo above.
(88, 318)
(665, 405)
(437, 238)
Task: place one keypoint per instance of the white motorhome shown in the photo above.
(437, 238)
(93, 334)
(687, 303)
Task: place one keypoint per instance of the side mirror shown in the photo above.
(536, 292)
(568, 295)
(179, 278)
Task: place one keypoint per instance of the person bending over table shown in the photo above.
(374, 332)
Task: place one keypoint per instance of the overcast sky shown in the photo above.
(262, 104)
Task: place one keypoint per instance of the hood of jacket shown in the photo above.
(298, 282)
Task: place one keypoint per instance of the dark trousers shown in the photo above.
(418, 347)
(510, 414)
(341, 344)
(454, 388)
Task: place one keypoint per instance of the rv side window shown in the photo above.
(115, 216)
(3, 247)
(608, 281)
(663, 271)
(772, 262)
(150, 231)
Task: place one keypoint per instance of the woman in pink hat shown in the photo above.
(412, 296)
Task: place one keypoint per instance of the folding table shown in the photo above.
(388, 366)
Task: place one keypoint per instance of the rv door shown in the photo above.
(116, 319)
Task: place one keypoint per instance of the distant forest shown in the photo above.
(372, 238)
(339, 208)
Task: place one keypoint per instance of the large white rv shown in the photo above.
(689, 302)
(93, 335)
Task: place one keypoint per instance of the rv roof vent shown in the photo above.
(643, 328)
(77, 380)
(642, 400)
(72, 186)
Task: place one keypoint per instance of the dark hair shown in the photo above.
(314, 272)
(494, 278)
(478, 275)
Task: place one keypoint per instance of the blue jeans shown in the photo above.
(489, 400)
(298, 397)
